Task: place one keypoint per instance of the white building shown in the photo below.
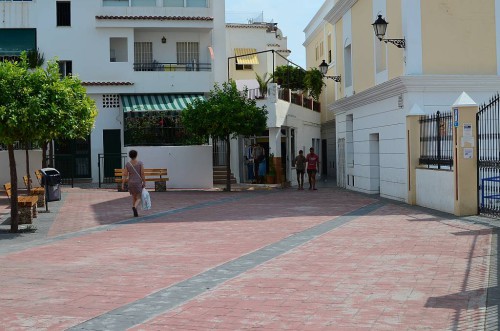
(293, 120)
(142, 61)
(133, 56)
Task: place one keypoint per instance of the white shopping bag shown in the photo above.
(146, 199)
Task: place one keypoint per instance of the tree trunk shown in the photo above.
(28, 168)
(228, 164)
(14, 215)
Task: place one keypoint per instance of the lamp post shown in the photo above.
(380, 27)
(323, 68)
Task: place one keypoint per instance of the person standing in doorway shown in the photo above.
(258, 157)
(134, 171)
(300, 166)
(312, 168)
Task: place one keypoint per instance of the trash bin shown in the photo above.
(51, 180)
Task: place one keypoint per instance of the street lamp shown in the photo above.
(380, 27)
(323, 68)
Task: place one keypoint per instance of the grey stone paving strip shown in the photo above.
(493, 297)
(12, 248)
(164, 300)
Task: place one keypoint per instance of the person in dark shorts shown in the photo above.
(134, 171)
(312, 168)
(300, 167)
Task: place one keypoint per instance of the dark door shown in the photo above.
(112, 152)
(324, 156)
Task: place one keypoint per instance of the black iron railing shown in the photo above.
(488, 157)
(436, 140)
(161, 66)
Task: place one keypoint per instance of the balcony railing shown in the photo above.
(159, 66)
(299, 99)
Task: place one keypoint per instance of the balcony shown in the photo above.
(168, 67)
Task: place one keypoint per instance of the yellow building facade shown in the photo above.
(450, 46)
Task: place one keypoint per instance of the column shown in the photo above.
(465, 155)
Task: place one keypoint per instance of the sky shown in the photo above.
(292, 17)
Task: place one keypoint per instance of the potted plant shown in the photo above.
(263, 81)
(271, 176)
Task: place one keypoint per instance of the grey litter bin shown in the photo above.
(51, 180)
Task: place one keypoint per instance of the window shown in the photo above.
(196, 3)
(63, 13)
(188, 52)
(65, 68)
(329, 45)
(317, 52)
(115, 3)
(185, 3)
(143, 55)
(118, 50)
(244, 66)
(143, 3)
(348, 65)
(349, 141)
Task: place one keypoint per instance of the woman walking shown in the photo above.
(134, 171)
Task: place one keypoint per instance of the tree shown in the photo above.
(313, 82)
(225, 115)
(37, 105)
(289, 77)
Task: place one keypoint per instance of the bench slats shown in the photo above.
(152, 175)
(23, 200)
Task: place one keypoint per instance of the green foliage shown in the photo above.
(35, 58)
(227, 113)
(263, 81)
(36, 105)
(313, 82)
(289, 77)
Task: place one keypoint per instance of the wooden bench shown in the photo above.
(39, 191)
(152, 175)
(26, 204)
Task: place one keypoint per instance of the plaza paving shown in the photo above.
(278, 259)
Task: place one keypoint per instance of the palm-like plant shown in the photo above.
(263, 81)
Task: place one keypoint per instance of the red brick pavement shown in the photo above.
(395, 269)
(392, 270)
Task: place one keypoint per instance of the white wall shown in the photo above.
(435, 189)
(188, 166)
(388, 121)
(35, 157)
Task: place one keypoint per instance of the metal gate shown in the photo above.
(341, 163)
(219, 152)
(488, 157)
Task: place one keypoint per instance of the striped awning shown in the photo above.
(242, 58)
(157, 102)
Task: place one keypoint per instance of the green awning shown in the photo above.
(14, 41)
(157, 102)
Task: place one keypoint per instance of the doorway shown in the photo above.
(374, 163)
(112, 143)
